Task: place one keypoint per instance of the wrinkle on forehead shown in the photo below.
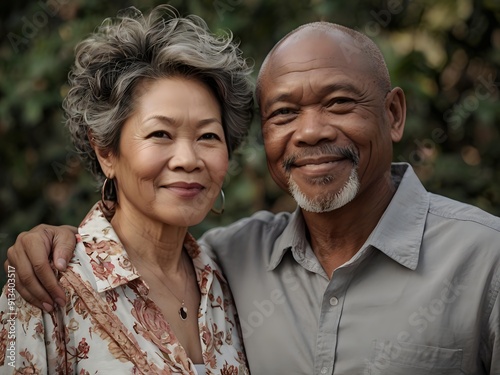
(291, 67)
(312, 52)
(321, 46)
(328, 70)
(312, 41)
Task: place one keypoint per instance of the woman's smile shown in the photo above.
(185, 189)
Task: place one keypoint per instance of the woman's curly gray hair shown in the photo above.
(131, 48)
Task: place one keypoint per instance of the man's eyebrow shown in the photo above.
(341, 86)
(282, 97)
(324, 90)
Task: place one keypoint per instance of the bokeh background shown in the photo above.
(445, 54)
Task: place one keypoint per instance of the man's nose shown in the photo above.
(314, 127)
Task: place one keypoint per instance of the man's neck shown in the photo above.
(337, 236)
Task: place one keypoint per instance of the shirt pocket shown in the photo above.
(395, 358)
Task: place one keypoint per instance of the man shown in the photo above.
(371, 274)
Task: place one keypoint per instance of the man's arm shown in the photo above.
(30, 256)
(493, 334)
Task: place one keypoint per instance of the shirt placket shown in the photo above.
(329, 321)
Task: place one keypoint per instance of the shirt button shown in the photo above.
(324, 370)
(334, 301)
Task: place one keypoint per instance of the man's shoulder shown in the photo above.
(262, 224)
(467, 214)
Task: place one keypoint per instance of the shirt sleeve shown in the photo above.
(206, 242)
(493, 334)
(24, 331)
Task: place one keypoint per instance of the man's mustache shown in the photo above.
(349, 152)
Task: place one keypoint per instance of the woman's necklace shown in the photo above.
(183, 311)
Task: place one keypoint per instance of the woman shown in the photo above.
(156, 106)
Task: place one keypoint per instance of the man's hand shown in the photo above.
(30, 256)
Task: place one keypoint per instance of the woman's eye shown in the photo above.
(159, 134)
(210, 136)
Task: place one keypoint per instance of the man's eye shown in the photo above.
(339, 101)
(282, 112)
(282, 116)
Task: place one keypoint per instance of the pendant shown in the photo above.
(183, 313)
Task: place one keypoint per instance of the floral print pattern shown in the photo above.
(109, 325)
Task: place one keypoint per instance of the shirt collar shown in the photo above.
(108, 259)
(398, 233)
(400, 230)
(292, 237)
(111, 266)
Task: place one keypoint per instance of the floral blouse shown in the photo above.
(109, 325)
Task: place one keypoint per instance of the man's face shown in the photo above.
(325, 124)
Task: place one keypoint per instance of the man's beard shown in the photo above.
(329, 201)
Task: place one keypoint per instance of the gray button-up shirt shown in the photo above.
(420, 297)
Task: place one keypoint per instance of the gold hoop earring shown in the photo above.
(220, 211)
(108, 193)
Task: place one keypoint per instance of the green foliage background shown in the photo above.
(445, 54)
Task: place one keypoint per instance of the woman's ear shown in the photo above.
(395, 106)
(106, 159)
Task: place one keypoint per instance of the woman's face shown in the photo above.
(173, 155)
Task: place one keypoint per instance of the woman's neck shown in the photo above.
(149, 243)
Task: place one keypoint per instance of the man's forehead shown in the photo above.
(310, 48)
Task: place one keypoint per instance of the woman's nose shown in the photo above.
(184, 156)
